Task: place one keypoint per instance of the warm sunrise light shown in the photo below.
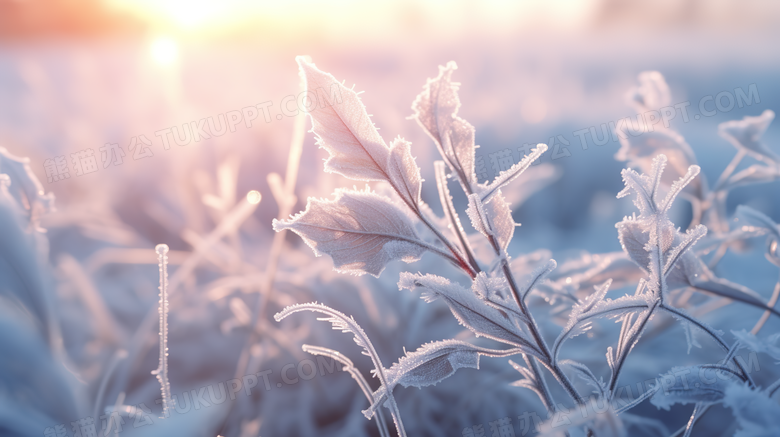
(203, 18)
(164, 51)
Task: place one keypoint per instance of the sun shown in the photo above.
(164, 51)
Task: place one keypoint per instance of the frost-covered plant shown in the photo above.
(162, 369)
(362, 231)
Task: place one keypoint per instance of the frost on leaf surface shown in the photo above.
(488, 191)
(750, 217)
(25, 187)
(403, 172)
(640, 150)
(768, 346)
(360, 230)
(492, 219)
(640, 144)
(651, 239)
(345, 130)
(466, 306)
(682, 268)
(600, 388)
(755, 174)
(430, 364)
(746, 134)
(596, 306)
(338, 319)
(652, 92)
(692, 384)
(436, 109)
(758, 415)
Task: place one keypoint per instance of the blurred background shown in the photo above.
(77, 75)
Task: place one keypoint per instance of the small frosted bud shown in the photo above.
(161, 249)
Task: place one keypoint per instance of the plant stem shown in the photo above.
(767, 313)
(627, 349)
(546, 395)
(449, 211)
(460, 262)
(712, 334)
(534, 328)
(729, 169)
(162, 368)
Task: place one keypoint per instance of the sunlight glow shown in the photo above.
(253, 197)
(164, 51)
(346, 18)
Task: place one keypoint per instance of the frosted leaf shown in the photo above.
(528, 262)
(753, 221)
(645, 186)
(433, 362)
(688, 240)
(339, 321)
(768, 346)
(430, 364)
(746, 134)
(691, 328)
(750, 217)
(640, 150)
(593, 269)
(651, 240)
(344, 129)
(481, 319)
(529, 380)
(757, 414)
(690, 334)
(495, 293)
(493, 219)
(452, 219)
(633, 240)
(536, 277)
(501, 219)
(348, 325)
(586, 375)
(353, 371)
(692, 384)
(487, 287)
(533, 180)
(478, 215)
(25, 187)
(435, 109)
(678, 185)
(578, 313)
(582, 422)
(652, 92)
(511, 173)
(688, 270)
(708, 282)
(596, 306)
(360, 230)
(755, 174)
(403, 172)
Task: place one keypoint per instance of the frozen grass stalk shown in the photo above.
(162, 369)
